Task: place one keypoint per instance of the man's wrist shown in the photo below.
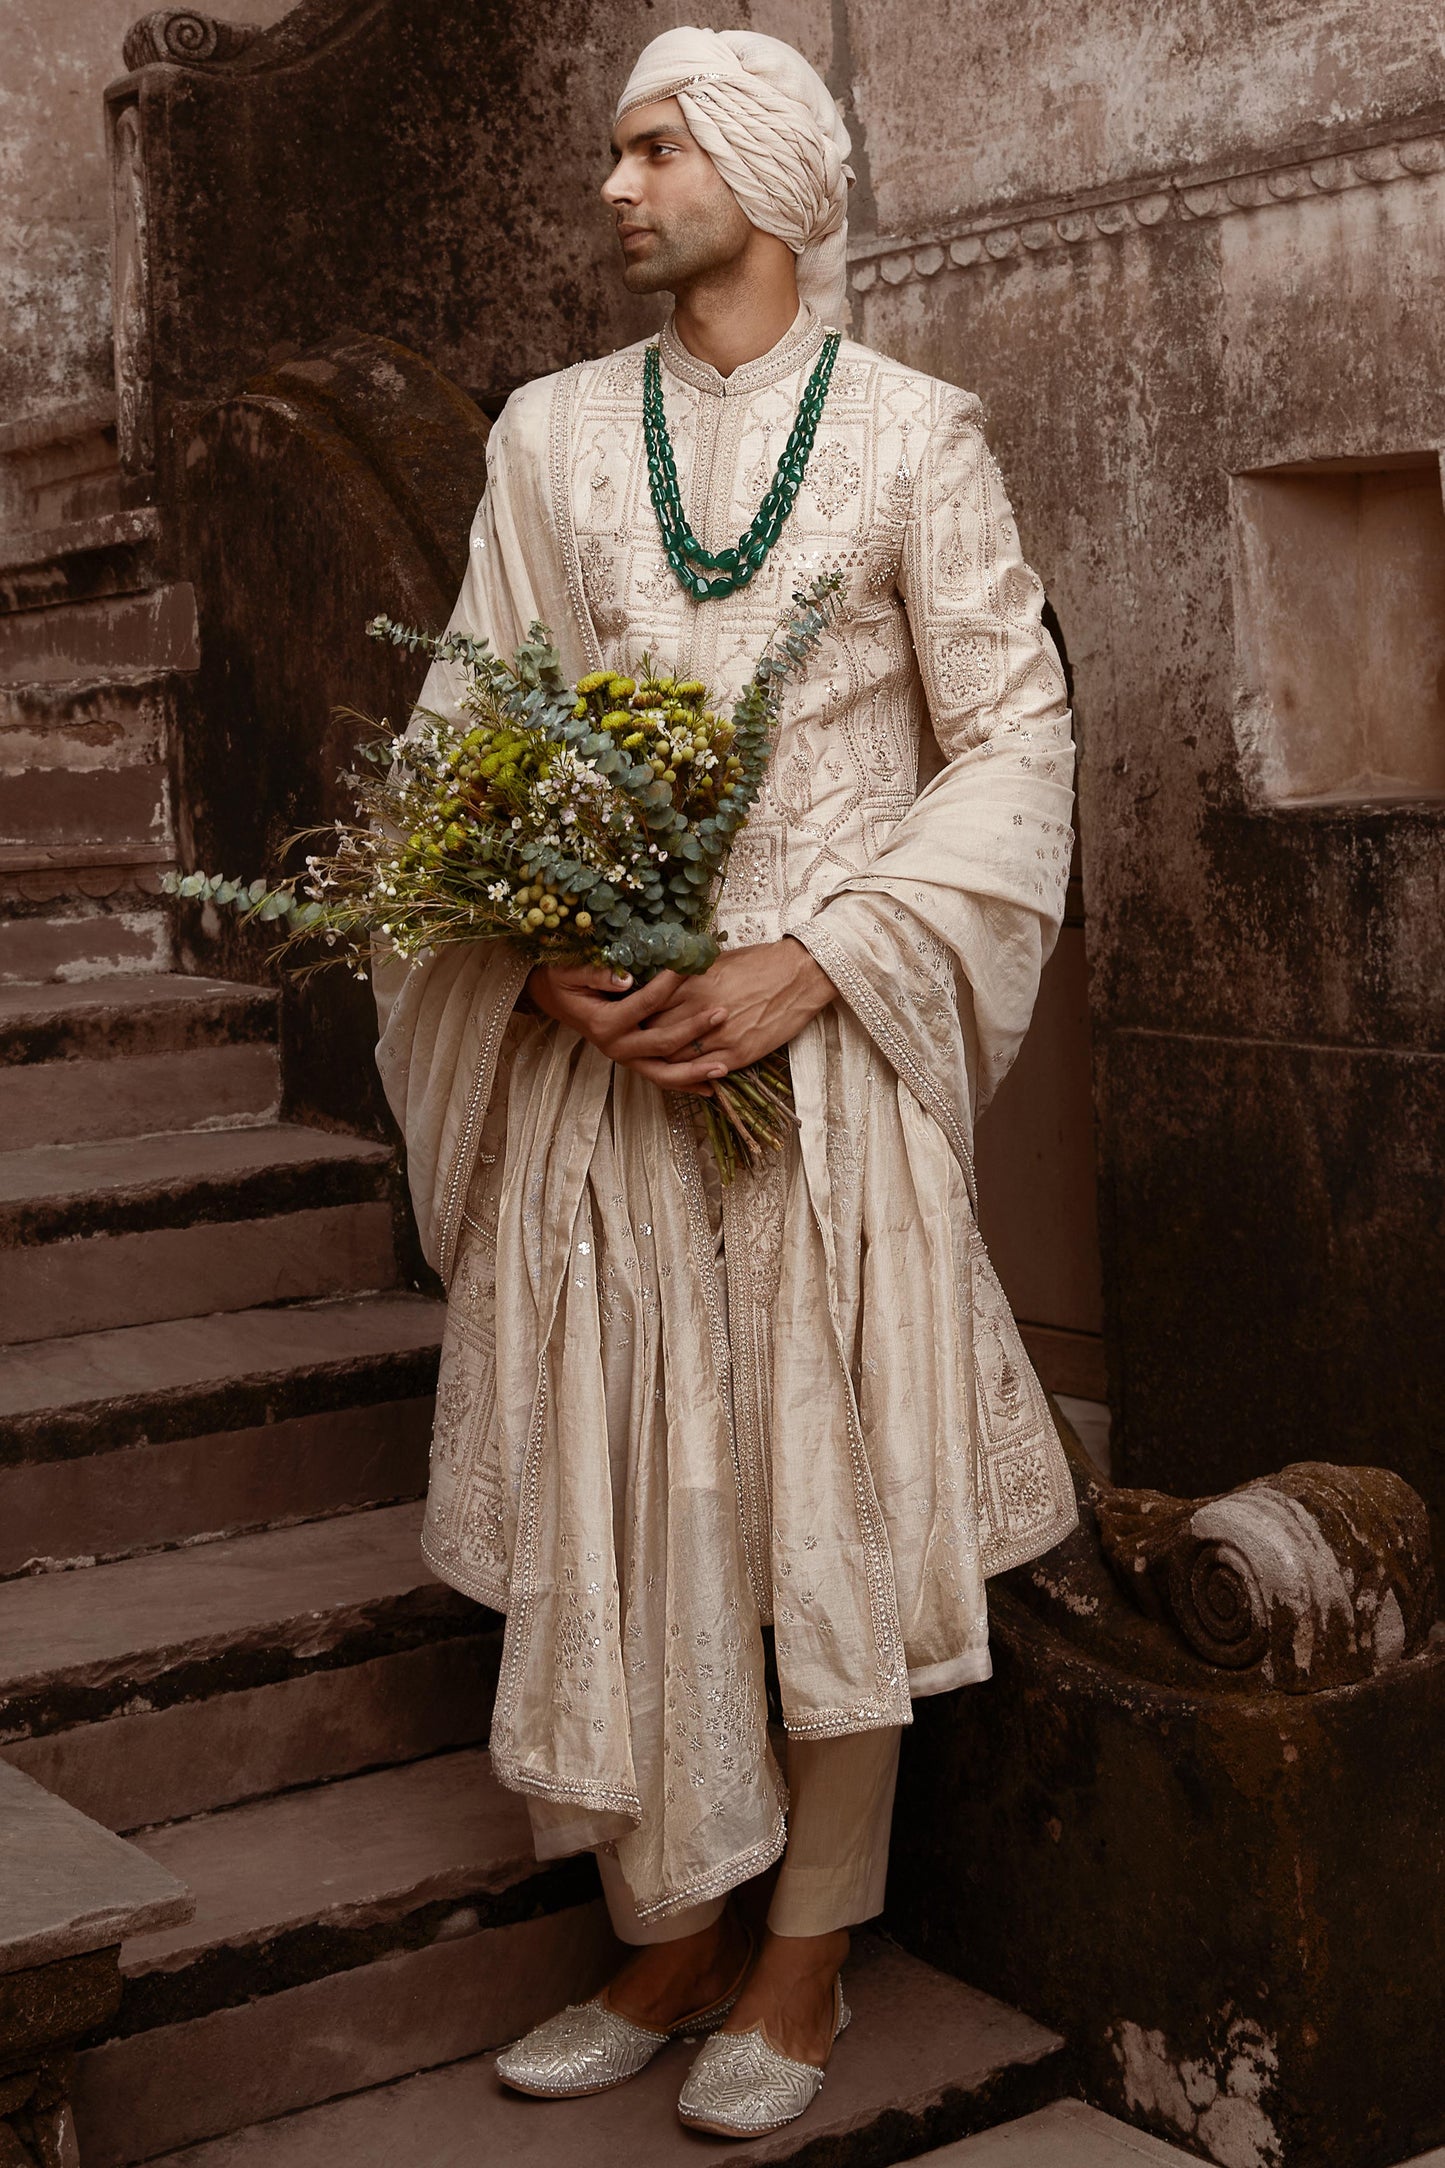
(811, 983)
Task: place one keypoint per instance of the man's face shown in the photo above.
(677, 219)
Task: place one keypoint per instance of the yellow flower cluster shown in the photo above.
(663, 722)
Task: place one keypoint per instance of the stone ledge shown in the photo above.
(70, 1886)
(177, 1626)
(130, 1017)
(187, 1179)
(926, 2061)
(149, 1385)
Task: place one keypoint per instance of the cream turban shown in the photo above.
(769, 124)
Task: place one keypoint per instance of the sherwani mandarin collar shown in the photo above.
(800, 343)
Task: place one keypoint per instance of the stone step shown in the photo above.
(70, 1890)
(146, 1014)
(407, 1899)
(116, 1442)
(1066, 2134)
(925, 2060)
(63, 817)
(83, 775)
(61, 465)
(88, 1102)
(469, 1988)
(150, 632)
(147, 1228)
(110, 552)
(186, 1680)
(103, 723)
(313, 1881)
(101, 922)
(126, 1056)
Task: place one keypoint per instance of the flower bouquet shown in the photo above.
(586, 823)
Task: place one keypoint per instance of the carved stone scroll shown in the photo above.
(1316, 1577)
(180, 34)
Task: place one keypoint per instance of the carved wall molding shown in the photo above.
(1178, 200)
(183, 35)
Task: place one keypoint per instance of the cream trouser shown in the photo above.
(840, 1805)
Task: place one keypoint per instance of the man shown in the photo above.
(672, 1415)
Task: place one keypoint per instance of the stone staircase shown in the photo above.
(215, 1402)
(90, 638)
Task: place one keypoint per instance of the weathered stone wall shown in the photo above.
(970, 105)
(55, 196)
(1169, 252)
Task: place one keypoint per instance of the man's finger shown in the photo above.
(678, 1076)
(593, 977)
(646, 1000)
(616, 1020)
(663, 1038)
(686, 989)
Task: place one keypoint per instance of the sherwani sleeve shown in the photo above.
(938, 945)
(444, 1018)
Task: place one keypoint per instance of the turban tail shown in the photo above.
(770, 125)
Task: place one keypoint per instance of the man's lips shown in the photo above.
(632, 233)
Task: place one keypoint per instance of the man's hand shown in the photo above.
(681, 1032)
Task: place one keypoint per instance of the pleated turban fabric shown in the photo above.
(771, 127)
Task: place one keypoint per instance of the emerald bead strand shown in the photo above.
(730, 568)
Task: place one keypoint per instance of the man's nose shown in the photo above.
(617, 189)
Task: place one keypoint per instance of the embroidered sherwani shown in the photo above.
(670, 1413)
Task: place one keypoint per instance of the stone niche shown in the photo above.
(1339, 578)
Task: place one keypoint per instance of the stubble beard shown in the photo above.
(687, 248)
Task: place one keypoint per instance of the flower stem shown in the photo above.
(749, 1113)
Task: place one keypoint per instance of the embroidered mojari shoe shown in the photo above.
(740, 2087)
(588, 2048)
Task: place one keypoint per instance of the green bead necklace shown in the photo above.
(735, 567)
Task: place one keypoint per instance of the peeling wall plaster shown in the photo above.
(1219, 2102)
